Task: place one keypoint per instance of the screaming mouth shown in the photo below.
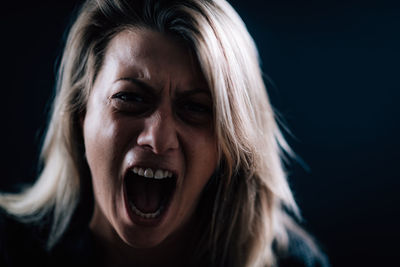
(149, 192)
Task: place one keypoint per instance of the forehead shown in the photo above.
(148, 54)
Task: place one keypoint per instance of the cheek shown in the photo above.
(202, 159)
(108, 138)
(102, 152)
(98, 138)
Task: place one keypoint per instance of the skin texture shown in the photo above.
(150, 106)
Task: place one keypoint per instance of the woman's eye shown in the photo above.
(129, 97)
(130, 102)
(195, 113)
(198, 108)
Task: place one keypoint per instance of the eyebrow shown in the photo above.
(194, 92)
(143, 85)
(138, 82)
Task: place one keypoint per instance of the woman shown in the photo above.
(162, 148)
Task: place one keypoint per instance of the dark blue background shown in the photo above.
(335, 72)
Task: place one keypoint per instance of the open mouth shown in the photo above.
(149, 193)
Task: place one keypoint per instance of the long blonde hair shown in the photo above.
(244, 203)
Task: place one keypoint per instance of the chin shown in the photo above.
(137, 238)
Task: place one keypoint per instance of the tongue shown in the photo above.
(146, 194)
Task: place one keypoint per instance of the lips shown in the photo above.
(149, 192)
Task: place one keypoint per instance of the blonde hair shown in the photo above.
(244, 203)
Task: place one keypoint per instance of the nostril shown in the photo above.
(147, 147)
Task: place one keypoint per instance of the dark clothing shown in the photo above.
(23, 245)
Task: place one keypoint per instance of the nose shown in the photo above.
(159, 133)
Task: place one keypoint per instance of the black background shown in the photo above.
(335, 69)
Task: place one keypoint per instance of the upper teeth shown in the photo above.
(149, 173)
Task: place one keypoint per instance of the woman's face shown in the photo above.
(149, 139)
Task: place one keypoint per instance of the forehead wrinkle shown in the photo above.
(134, 48)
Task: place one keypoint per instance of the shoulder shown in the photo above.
(302, 251)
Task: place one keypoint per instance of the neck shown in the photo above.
(115, 252)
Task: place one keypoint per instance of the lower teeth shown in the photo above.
(146, 215)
